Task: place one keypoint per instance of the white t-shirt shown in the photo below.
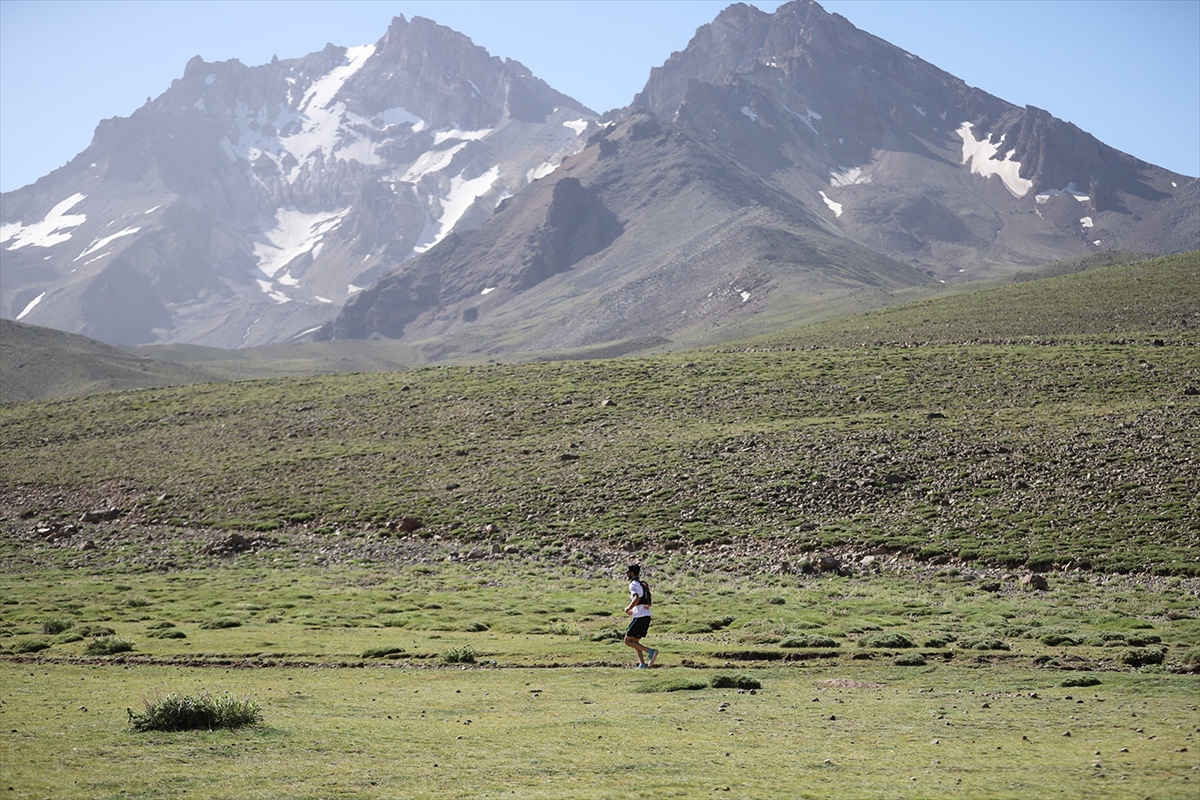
(635, 590)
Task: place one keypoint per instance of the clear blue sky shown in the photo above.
(1127, 71)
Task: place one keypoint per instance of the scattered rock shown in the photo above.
(101, 515)
(1034, 580)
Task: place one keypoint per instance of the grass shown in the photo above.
(867, 731)
(195, 712)
(837, 527)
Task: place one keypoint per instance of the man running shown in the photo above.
(639, 609)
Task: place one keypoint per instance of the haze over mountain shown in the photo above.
(779, 160)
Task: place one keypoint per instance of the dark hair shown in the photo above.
(635, 569)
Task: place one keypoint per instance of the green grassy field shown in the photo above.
(845, 517)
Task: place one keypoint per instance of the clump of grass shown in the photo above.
(166, 633)
(218, 624)
(607, 635)
(743, 681)
(1141, 656)
(382, 652)
(1080, 682)
(458, 655)
(1191, 656)
(177, 712)
(910, 660)
(30, 646)
(56, 625)
(984, 643)
(808, 640)
(1058, 639)
(888, 640)
(107, 646)
(674, 683)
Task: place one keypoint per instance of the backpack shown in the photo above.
(645, 593)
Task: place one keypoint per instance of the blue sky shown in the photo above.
(1127, 71)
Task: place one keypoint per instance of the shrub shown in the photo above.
(886, 640)
(608, 635)
(1086, 680)
(808, 640)
(107, 646)
(56, 625)
(735, 682)
(458, 655)
(382, 652)
(181, 713)
(938, 642)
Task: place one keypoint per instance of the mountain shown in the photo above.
(648, 233)
(781, 161)
(246, 204)
(781, 167)
(906, 158)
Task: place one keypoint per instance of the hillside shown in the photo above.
(40, 363)
(1043, 453)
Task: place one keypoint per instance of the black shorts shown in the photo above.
(637, 629)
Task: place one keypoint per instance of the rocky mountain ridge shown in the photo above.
(246, 204)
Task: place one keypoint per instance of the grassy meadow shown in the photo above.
(418, 575)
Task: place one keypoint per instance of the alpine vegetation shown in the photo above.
(177, 712)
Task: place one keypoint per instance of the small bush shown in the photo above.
(181, 713)
(107, 646)
(888, 640)
(608, 635)
(776, 601)
(808, 640)
(735, 682)
(56, 625)
(1080, 682)
(458, 655)
(938, 642)
(136, 602)
(382, 652)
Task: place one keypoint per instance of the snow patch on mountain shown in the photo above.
(49, 231)
(836, 208)
(848, 176)
(32, 304)
(293, 234)
(980, 155)
(455, 134)
(99, 244)
(463, 193)
(1043, 197)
